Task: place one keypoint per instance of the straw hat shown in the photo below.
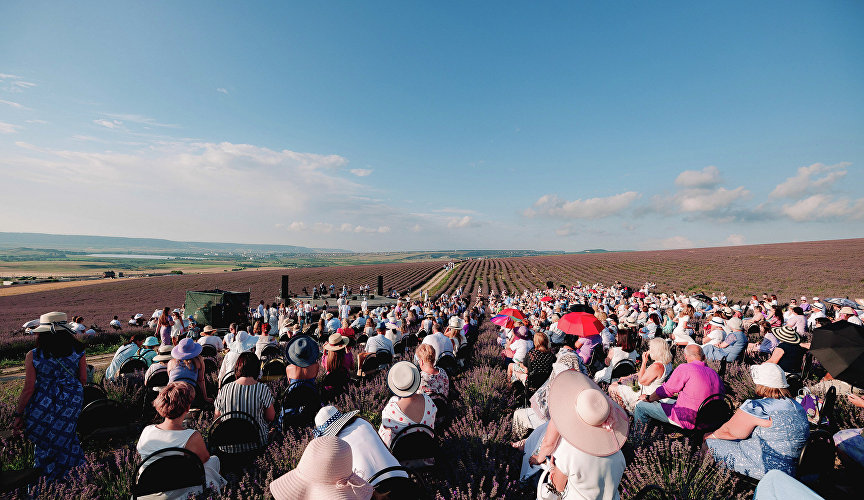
(324, 471)
(336, 342)
(302, 351)
(455, 323)
(186, 349)
(52, 320)
(585, 416)
(163, 354)
(208, 329)
(717, 321)
(786, 334)
(769, 375)
(328, 316)
(329, 421)
(847, 310)
(403, 379)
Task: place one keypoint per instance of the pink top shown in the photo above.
(692, 382)
(347, 362)
(798, 322)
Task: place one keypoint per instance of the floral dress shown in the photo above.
(434, 385)
(776, 447)
(52, 414)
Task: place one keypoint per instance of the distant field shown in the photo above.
(827, 268)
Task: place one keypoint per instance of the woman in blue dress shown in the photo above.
(764, 434)
(50, 402)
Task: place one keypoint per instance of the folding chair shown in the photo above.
(235, 438)
(273, 369)
(209, 351)
(713, 412)
(299, 405)
(210, 365)
(415, 446)
(384, 357)
(368, 367)
(402, 488)
(166, 470)
(334, 384)
(623, 368)
(92, 392)
(271, 351)
(596, 362)
(132, 365)
(103, 419)
(817, 457)
(448, 363)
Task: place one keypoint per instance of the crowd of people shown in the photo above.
(564, 347)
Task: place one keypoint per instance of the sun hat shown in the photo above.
(336, 342)
(163, 354)
(324, 471)
(328, 316)
(786, 334)
(243, 342)
(819, 305)
(803, 297)
(521, 332)
(302, 351)
(736, 308)
(718, 322)
(769, 375)
(50, 321)
(186, 349)
(847, 310)
(555, 318)
(728, 311)
(208, 329)
(403, 379)
(329, 421)
(151, 341)
(585, 416)
(455, 323)
(735, 324)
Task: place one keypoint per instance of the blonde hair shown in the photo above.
(541, 342)
(658, 349)
(600, 315)
(426, 353)
(174, 400)
(772, 392)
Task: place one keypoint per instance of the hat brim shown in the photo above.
(404, 393)
(162, 357)
(176, 353)
(294, 360)
(597, 441)
(337, 347)
(336, 427)
(785, 336)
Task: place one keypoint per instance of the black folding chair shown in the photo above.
(448, 363)
(399, 347)
(817, 457)
(411, 341)
(132, 365)
(361, 339)
(713, 412)
(596, 362)
(235, 438)
(651, 492)
(271, 351)
(334, 384)
(399, 487)
(623, 368)
(210, 365)
(273, 369)
(384, 357)
(415, 446)
(153, 385)
(299, 406)
(826, 413)
(166, 470)
(104, 419)
(208, 351)
(369, 367)
(92, 392)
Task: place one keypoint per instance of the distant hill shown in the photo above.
(83, 243)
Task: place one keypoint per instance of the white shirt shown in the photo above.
(440, 342)
(368, 451)
(212, 340)
(520, 349)
(589, 476)
(344, 311)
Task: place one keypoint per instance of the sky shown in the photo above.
(376, 126)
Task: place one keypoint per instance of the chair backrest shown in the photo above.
(414, 442)
(273, 369)
(234, 432)
(92, 392)
(271, 351)
(370, 363)
(399, 347)
(595, 363)
(623, 368)
(361, 339)
(227, 379)
(403, 488)
(448, 363)
(132, 365)
(714, 411)
(722, 370)
(412, 340)
(651, 492)
(336, 380)
(817, 456)
(299, 405)
(210, 365)
(826, 413)
(101, 414)
(384, 357)
(158, 378)
(209, 351)
(167, 470)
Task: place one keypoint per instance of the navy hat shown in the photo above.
(302, 351)
(382, 325)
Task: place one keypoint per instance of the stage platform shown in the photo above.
(331, 302)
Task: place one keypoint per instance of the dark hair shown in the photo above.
(138, 337)
(798, 311)
(623, 339)
(823, 321)
(248, 365)
(655, 317)
(570, 340)
(59, 343)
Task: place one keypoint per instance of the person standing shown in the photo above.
(163, 326)
(53, 393)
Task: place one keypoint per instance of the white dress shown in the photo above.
(630, 397)
(154, 439)
(589, 476)
(368, 452)
(618, 354)
(393, 419)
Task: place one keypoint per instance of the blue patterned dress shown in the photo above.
(775, 447)
(52, 414)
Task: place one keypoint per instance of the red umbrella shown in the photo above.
(580, 323)
(513, 313)
(639, 295)
(547, 299)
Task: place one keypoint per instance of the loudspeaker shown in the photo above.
(284, 292)
(380, 285)
(550, 285)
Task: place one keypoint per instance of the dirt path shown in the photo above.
(99, 361)
(433, 281)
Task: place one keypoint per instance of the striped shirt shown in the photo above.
(252, 399)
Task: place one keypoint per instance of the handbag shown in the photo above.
(545, 490)
(810, 404)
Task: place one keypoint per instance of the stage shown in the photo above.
(331, 301)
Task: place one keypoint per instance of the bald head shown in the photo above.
(694, 352)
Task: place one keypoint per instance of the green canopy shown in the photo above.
(217, 308)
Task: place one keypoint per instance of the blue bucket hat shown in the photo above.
(151, 341)
(302, 351)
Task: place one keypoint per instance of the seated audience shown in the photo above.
(623, 350)
(730, 349)
(248, 395)
(433, 381)
(160, 362)
(125, 352)
(187, 366)
(789, 354)
(336, 354)
(407, 406)
(626, 391)
(324, 472)
(208, 337)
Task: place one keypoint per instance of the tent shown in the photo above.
(217, 308)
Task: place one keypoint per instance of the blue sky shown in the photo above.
(435, 125)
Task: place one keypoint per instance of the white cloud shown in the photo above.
(566, 230)
(822, 206)
(13, 104)
(459, 222)
(676, 242)
(296, 226)
(14, 83)
(734, 239)
(8, 128)
(222, 90)
(38, 122)
(806, 181)
(112, 124)
(705, 178)
(138, 119)
(591, 208)
(709, 200)
(361, 172)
